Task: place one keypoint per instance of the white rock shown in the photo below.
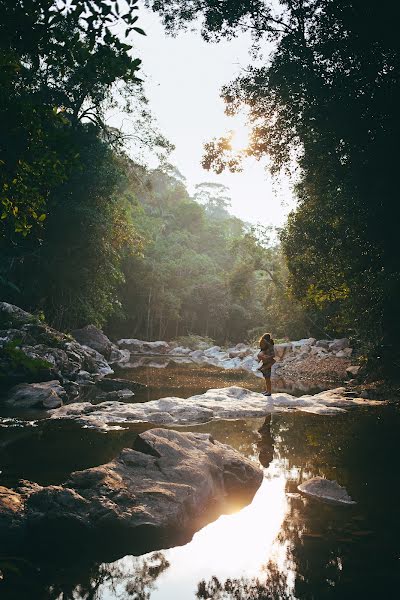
(222, 403)
(214, 350)
(303, 342)
(325, 490)
(197, 356)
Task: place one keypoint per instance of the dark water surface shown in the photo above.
(280, 546)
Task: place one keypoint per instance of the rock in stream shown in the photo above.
(152, 496)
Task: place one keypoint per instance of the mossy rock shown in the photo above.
(13, 317)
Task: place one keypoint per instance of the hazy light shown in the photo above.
(239, 139)
(234, 545)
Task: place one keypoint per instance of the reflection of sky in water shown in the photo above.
(295, 547)
(235, 545)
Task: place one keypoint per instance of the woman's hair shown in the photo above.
(265, 339)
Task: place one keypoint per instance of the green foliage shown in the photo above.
(201, 273)
(58, 65)
(326, 98)
(14, 360)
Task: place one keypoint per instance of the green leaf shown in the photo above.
(139, 30)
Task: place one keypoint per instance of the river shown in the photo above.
(280, 546)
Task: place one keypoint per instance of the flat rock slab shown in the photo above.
(223, 403)
(325, 490)
(154, 495)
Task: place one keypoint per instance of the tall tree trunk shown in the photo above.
(148, 315)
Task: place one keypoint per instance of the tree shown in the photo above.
(59, 62)
(326, 99)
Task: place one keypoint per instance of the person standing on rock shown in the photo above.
(267, 357)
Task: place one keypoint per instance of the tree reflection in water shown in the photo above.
(274, 588)
(282, 546)
(131, 577)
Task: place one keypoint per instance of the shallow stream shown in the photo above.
(280, 546)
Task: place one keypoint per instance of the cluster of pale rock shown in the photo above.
(221, 403)
(241, 356)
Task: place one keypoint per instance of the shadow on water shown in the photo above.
(279, 546)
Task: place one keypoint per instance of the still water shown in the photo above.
(280, 546)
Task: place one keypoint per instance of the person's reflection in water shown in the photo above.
(266, 443)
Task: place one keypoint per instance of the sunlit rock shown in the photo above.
(181, 350)
(154, 495)
(221, 403)
(325, 490)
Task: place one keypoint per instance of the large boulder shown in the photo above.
(154, 495)
(13, 317)
(323, 344)
(94, 338)
(282, 350)
(47, 395)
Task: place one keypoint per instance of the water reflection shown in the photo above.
(282, 545)
(184, 380)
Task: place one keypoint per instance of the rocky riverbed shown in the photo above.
(50, 369)
(329, 360)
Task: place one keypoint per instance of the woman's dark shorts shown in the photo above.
(266, 371)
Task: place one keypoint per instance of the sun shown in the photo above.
(239, 138)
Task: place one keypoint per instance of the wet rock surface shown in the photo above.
(325, 490)
(223, 403)
(162, 490)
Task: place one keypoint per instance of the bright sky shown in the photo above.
(184, 76)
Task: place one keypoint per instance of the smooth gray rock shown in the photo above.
(13, 316)
(164, 489)
(141, 346)
(325, 490)
(94, 338)
(47, 395)
(323, 344)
